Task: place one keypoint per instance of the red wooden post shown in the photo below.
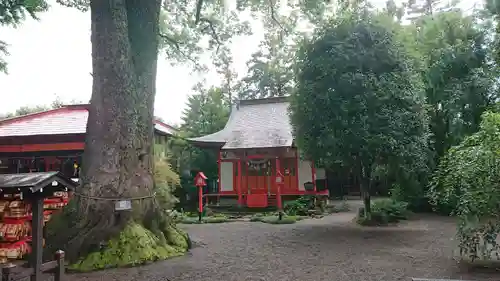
(280, 181)
(200, 200)
(200, 182)
(240, 195)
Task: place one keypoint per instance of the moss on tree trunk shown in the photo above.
(118, 155)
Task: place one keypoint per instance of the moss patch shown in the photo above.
(214, 218)
(218, 219)
(134, 246)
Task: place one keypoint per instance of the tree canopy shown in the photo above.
(357, 100)
(206, 113)
(12, 13)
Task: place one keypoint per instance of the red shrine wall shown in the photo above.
(258, 170)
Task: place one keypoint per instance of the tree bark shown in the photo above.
(117, 161)
(365, 189)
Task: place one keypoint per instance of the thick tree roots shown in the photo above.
(135, 245)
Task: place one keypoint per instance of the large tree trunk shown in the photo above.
(117, 161)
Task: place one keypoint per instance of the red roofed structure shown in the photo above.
(256, 146)
(51, 140)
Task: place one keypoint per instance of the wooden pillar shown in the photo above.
(37, 236)
(238, 185)
(7, 271)
(279, 185)
(219, 159)
(59, 271)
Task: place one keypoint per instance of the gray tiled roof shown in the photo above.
(35, 181)
(258, 123)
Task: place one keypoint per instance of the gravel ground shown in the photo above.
(332, 249)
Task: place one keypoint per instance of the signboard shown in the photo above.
(200, 181)
(279, 178)
(123, 205)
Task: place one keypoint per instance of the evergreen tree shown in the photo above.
(206, 113)
(269, 69)
(357, 103)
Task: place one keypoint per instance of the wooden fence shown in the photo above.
(11, 272)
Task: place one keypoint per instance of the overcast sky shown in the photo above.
(51, 58)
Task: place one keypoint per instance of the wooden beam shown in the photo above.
(42, 147)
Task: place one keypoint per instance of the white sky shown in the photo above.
(51, 58)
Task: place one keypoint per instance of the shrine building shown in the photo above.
(255, 144)
(52, 140)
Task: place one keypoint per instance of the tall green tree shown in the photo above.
(418, 8)
(12, 13)
(206, 112)
(449, 50)
(394, 11)
(357, 102)
(230, 85)
(493, 7)
(269, 69)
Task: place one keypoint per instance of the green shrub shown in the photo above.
(395, 210)
(384, 211)
(298, 207)
(377, 218)
(414, 194)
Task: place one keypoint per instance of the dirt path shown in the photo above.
(330, 249)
